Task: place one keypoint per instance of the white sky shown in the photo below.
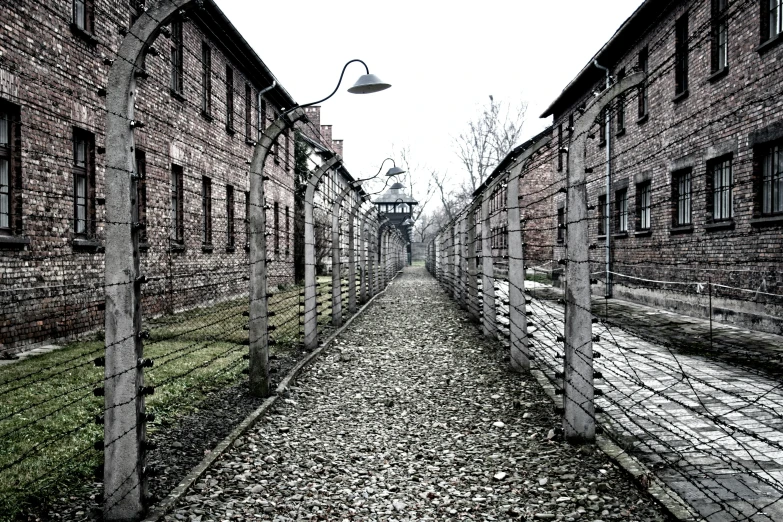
(443, 59)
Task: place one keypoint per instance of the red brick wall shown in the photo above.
(51, 290)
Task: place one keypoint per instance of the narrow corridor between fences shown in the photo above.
(411, 414)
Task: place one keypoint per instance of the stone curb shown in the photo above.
(663, 494)
(165, 506)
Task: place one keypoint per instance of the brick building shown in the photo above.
(696, 188)
(203, 96)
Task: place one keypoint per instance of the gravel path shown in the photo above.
(411, 415)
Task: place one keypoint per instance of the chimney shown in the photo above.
(326, 136)
(337, 146)
(314, 115)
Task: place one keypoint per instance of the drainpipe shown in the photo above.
(607, 213)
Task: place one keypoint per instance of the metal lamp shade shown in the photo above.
(367, 84)
(394, 171)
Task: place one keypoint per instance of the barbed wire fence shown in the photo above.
(201, 267)
(531, 244)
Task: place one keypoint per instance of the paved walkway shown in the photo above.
(711, 429)
(412, 415)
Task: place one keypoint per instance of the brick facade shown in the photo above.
(699, 117)
(51, 75)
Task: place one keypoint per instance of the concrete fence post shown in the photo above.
(578, 387)
(124, 480)
(473, 297)
(463, 284)
(489, 308)
(337, 267)
(457, 265)
(363, 258)
(517, 310)
(258, 328)
(311, 289)
(352, 286)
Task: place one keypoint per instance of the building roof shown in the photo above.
(241, 54)
(510, 158)
(646, 16)
(396, 194)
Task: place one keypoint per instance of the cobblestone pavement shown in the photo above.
(710, 429)
(413, 415)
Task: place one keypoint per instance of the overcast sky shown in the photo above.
(443, 60)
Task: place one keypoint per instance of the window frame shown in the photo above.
(682, 201)
(177, 59)
(770, 180)
(229, 99)
(287, 230)
(206, 80)
(603, 215)
(248, 113)
(768, 10)
(620, 106)
(177, 207)
(561, 225)
(719, 36)
(84, 21)
(230, 227)
(621, 210)
(83, 228)
(644, 94)
(276, 221)
(644, 208)
(681, 55)
(11, 154)
(206, 211)
(720, 196)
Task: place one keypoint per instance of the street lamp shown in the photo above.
(259, 342)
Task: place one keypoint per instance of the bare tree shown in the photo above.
(488, 139)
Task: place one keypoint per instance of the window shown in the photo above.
(643, 205)
(681, 198)
(720, 185)
(287, 231)
(177, 221)
(277, 226)
(229, 217)
(275, 145)
(10, 170)
(247, 220)
(603, 216)
(206, 210)
(560, 225)
(229, 99)
(644, 64)
(720, 35)
(83, 182)
(206, 79)
(83, 12)
(602, 126)
(772, 180)
(261, 116)
(681, 55)
(771, 19)
(560, 147)
(620, 110)
(287, 150)
(177, 48)
(141, 193)
(621, 208)
(248, 113)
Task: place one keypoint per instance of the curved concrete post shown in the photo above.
(367, 259)
(259, 322)
(578, 388)
(489, 316)
(310, 290)
(463, 283)
(457, 265)
(517, 312)
(352, 290)
(125, 486)
(337, 266)
(473, 297)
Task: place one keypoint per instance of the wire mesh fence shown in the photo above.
(536, 258)
(150, 260)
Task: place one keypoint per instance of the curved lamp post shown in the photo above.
(259, 342)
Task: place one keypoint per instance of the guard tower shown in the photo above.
(398, 206)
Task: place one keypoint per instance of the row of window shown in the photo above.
(394, 208)
(770, 31)
(720, 186)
